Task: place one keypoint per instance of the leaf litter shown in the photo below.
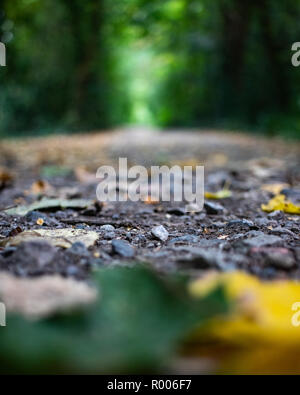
(57, 237)
(228, 236)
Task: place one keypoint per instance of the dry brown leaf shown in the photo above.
(6, 177)
(58, 237)
(36, 298)
(40, 187)
(84, 176)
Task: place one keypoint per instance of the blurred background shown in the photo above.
(97, 64)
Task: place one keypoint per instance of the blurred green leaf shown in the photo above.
(138, 322)
(55, 171)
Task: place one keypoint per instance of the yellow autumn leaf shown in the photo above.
(274, 188)
(263, 309)
(263, 330)
(280, 202)
(222, 194)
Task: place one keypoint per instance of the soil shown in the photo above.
(228, 234)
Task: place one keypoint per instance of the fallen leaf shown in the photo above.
(136, 326)
(222, 194)
(58, 237)
(84, 176)
(40, 187)
(50, 204)
(41, 297)
(51, 171)
(274, 188)
(218, 159)
(279, 202)
(6, 177)
(263, 321)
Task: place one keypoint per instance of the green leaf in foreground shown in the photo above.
(138, 322)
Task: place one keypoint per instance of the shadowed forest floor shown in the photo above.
(131, 318)
(230, 233)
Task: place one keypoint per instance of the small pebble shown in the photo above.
(160, 233)
(177, 211)
(122, 248)
(107, 228)
(240, 222)
(213, 208)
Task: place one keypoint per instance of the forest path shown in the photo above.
(230, 233)
(144, 146)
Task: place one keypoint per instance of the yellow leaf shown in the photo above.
(279, 202)
(274, 188)
(264, 323)
(223, 194)
(264, 309)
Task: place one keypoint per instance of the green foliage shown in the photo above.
(138, 322)
(99, 63)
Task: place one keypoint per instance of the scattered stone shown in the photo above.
(160, 233)
(293, 194)
(36, 253)
(213, 208)
(240, 222)
(7, 252)
(109, 235)
(237, 236)
(177, 211)
(262, 222)
(34, 216)
(193, 208)
(280, 230)
(276, 215)
(107, 228)
(122, 248)
(204, 243)
(80, 249)
(80, 226)
(262, 240)
(184, 239)
(281, 258)
(205, 259)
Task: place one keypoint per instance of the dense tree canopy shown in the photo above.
(75, 65)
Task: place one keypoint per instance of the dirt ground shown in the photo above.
(228, 234)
